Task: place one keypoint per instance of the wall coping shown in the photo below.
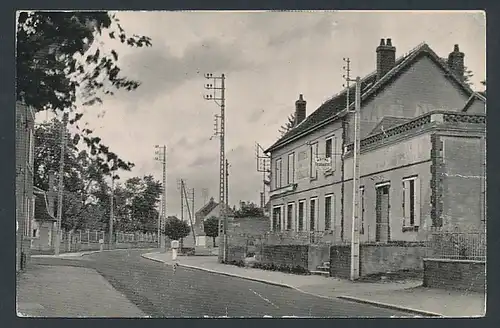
(436, 117)
(453, 260)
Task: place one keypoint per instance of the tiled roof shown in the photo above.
(207, 208)
(336, 106)
(41, 206)
(388, 122)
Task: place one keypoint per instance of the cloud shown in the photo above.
(320, 26)
(160, 71)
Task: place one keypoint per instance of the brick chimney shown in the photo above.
(300, 110)
(456, 62)
(386, 57)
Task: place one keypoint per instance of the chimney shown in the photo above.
(300, 110)
(386, 57)
(456, 62)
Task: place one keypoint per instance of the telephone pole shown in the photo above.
(264, 166)
(112, 211)
(227, 183)
(161, 156)
(60, 185)
(355, 180)
(219, 85)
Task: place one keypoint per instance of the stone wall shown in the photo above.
(376, 258)
(456, 274)
(317, 254)
(340, 261)
(289, 255)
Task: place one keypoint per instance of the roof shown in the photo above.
(388, 122)
(207, 208)
(336, 107)
(42, 206)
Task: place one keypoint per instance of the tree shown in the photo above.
(176, 229)
(54, 63)
(288, 125)
(211, 227)
(249, 210)
(60, 61)
(483, 92)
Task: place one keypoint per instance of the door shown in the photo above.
(382, 214)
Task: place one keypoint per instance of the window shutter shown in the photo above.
(406, 193)
(417, 202)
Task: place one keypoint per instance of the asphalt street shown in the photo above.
(160, 292)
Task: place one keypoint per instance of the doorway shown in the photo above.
(382, 231)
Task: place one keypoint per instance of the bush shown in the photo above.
(282, 268)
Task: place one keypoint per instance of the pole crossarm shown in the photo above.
(218, 89)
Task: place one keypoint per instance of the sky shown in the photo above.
(268, 58)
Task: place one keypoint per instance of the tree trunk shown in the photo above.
(213, 239)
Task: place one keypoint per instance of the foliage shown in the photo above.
(249, 210)
(176, 229)
(49, 72)
(56, 67)
(211, 227)
(288, 125)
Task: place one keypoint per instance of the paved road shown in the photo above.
(160, 292)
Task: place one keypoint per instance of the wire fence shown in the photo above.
(456, 245)
(95, 236)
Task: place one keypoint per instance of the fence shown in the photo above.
(457, 245)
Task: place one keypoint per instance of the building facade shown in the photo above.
(422, 148)
(25, 200)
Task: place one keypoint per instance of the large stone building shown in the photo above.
(422, 162)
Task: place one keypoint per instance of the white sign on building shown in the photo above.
(323, 163)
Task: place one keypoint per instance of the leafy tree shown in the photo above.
(249, 210)
(176, 229)
(60, 61)
(54, 63)
(288, 125)
(483, 92)
(211, 227)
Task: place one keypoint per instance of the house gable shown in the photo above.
(422, 86)
(371, 88)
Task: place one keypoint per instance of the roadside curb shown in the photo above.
(390, 306)
(80, 254)
(268, 282)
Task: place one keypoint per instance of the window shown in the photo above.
(301, 214)
(411, 202)
(312, 214)
(291, 168)
(313, 154)
(27, 217)
(362, 209)
(278, 173)
(30, 148)
(277, 218)
(329, 211)
(290, 216)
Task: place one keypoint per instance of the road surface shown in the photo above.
(159, 292)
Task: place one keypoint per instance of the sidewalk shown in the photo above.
(407, 295)
(46, 291)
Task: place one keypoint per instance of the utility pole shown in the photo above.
(112, 211)
(60, 185)
(161, 156)
(227, 183)
(264, 166)
(355, 180)
(222, 163)
(184, 192)
(204, 194)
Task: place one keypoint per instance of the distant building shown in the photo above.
(25, 199)
(422, 162)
